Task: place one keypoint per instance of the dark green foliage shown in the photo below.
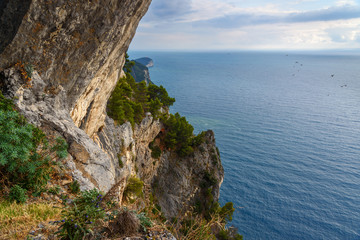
(5, 104)
(227, 211)
(145, 221)
(128, 64)
(134, 187)
(199, 139)
(60, 148)
(74, 187)
(120, 104)
(130, 100)
(238, 237)
(160, 93)
(25, 155)
(18, 194)
(179, 134)
(54, 190)
(225, 235)
(78, 219)
(154, 107)
(155, 150)
(29, 68)
(15, 141)
(208, 180)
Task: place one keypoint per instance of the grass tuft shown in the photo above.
(16, 220)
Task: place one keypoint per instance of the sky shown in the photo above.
(249, 25)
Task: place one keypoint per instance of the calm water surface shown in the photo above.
(288, 129)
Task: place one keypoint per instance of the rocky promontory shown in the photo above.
(59, 63)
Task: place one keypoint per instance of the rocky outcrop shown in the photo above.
(140, 73)
(74, 51)
(75, 46)
(59, 62)
(146, 61)
(181, 182)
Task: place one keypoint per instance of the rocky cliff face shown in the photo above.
(60, 61)
(75, 46)
(76, 50)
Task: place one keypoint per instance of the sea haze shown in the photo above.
(288, 129)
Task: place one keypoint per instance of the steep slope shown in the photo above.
(75, 46)
(59, 62)
(72, 53)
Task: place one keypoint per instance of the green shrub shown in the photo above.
(74, 187)
(78, 219)
(25, 158)
(199, 139)
(25, 155)
(29, 68)
(208, 180)
(54, 190)
(130, 100)
(145, 221)
(179, 134)
(18, 194)
(223, 235)
(133, 188)
(160, 93)
(60, 148)
(227, 211)
(155, 152)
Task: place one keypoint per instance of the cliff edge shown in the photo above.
(60, 62)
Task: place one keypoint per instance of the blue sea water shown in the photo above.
(288, 129)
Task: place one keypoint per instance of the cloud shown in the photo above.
(245, 19)
(169, 10)
(344, 34)
(224, 24)
(329, 14)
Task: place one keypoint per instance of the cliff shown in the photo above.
(146, 61)
(140, 72)
(59, 62)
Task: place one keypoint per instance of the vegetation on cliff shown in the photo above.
(26, 156)
(131, 100)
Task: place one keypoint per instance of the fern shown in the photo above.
(25, 155)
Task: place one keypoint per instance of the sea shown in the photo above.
(288, 128)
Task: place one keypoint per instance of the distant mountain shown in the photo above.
(140, 72)
(148, 62)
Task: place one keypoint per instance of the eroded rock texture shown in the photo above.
(78, 46)
(59, 62)
(76, 50)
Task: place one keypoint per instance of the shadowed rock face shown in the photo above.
(77, 46)
(77, 50)
(11, 14)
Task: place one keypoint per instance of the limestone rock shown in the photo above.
(60, 61)
(77, 46)
(77, 50)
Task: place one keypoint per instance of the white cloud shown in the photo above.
(346, 2)
(225, 25)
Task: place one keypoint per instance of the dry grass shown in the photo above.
(16, 220)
